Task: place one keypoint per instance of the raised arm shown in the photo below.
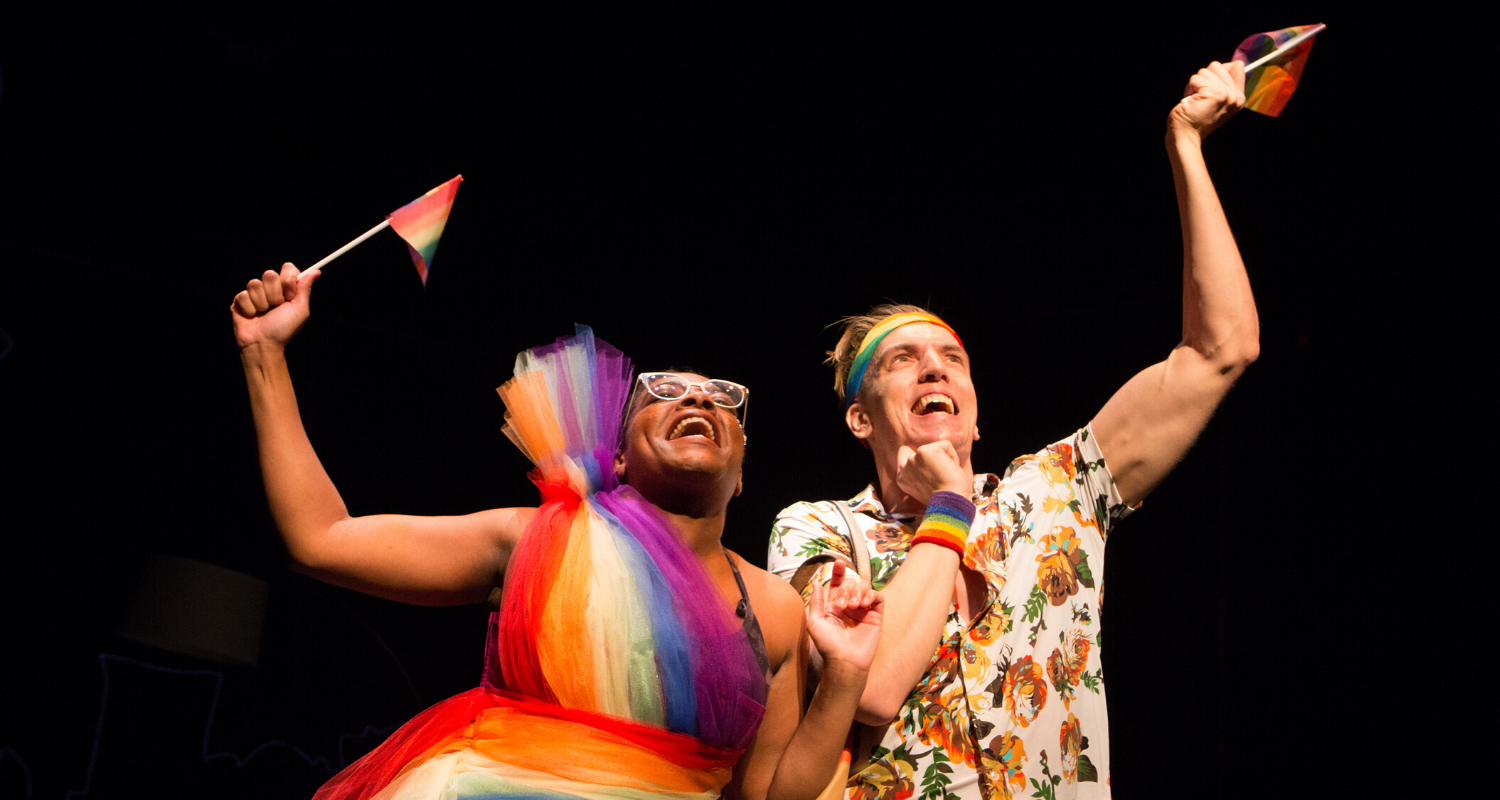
(426, 560)
(1148, 425)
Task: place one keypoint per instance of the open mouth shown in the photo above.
(935, 403)
(694, 426)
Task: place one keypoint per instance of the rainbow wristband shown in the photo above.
(946, 522)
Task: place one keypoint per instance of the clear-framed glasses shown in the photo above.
(724, 394)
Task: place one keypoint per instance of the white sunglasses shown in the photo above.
(671, 386)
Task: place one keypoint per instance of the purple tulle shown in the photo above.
(730, 689)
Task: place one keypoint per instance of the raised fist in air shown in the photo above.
(272, 308)
(1212, 96)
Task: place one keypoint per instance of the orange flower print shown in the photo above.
(1056, 578)
(940, 675)
(1004, 760)
(953, 737)
(1066, 664)
(987, 549)
(1058, 674)
(1070, 740)
(1025, 691)
(932, 720)
(995, 623)
(891, 539)
(1057, 463)
(890, 778)
(1059, 573)
(1056, 575)
(1061, 541)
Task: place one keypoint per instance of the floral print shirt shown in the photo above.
(1012, 703)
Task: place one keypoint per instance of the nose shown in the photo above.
(933, 369)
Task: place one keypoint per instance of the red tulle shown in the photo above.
(532, 571)
(434, 729)
(366, 777)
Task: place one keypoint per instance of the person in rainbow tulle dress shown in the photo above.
(632, 656)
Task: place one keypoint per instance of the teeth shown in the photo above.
(701, 426)
(933, 403)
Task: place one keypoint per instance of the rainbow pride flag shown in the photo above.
(1273, 65)
(421, 222)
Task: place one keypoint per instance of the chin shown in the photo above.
(938, 430)
(695, 462)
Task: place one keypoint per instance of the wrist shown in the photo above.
(260, 350)
(947, 522)
(837, 673)
(1181, 136)
(263, 361)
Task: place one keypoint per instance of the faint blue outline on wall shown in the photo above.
(239, 761)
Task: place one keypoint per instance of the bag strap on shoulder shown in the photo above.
(857, 545)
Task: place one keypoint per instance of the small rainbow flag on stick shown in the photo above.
(1273, 65)
(419, 222)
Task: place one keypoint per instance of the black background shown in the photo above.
(708, 190)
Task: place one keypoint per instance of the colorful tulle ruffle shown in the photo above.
(607, 675)
(488, 743)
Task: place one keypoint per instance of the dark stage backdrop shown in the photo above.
(706, 191)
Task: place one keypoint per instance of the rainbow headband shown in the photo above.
(872, 341)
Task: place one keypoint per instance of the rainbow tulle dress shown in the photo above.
(606, 673)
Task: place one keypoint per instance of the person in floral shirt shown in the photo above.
(988, 682)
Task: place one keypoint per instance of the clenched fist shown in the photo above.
(1212, 96)
(933, 467)
(272, 308)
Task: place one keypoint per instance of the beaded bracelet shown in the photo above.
(946, 522)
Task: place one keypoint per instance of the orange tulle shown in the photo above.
(532, 575)
(592, 749)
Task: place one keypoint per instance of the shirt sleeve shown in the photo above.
(1096, 485)
(805, 530)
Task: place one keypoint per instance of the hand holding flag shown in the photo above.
(1212, 96)
(272, 308)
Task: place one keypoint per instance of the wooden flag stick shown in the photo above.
(350, 246)
(1290, 43)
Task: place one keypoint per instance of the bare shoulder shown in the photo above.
(503, 529)
(777, 606)
(507, 524)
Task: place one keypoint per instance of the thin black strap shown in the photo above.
(752, 626)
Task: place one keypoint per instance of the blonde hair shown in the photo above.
(855, 330)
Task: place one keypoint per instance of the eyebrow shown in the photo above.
(909, 346)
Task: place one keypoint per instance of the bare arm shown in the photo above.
(918, 600)
(1148, 425)
(796, 750)
(427, 560)
(920, 596)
